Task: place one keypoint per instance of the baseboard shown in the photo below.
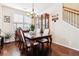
(67, 46)
(10, 42)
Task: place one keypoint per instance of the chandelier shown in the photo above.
(32, 14)
(33, 11)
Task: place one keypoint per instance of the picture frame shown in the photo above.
(7, 19)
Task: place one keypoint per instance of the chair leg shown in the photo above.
(29, 51)
(0, 49)
(48, 44)
(42, 45)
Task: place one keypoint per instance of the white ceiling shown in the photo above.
(39, 7)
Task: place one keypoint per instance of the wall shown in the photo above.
(8, 27)
(0, 17)
(63, 33)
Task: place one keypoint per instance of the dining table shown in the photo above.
(38, 37)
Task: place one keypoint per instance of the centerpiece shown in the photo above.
(32, 28)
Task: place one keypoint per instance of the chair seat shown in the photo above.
(43, 40)
(28, 43)
(35, 43)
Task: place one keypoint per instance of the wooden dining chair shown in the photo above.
(44, 40)
(27, 44)
(35, 44)
(18, 39)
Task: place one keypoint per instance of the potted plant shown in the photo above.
(7, 36)
(32, 28)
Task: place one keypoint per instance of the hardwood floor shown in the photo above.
(56, 50)
(10, 50)
(59, 50)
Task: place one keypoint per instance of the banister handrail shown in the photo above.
(75, 11)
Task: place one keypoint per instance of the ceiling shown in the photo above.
(38, 7)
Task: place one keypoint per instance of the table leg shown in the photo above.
(50, 44)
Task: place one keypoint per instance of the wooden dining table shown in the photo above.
(38, 37)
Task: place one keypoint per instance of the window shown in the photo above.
(22, 21)
(18, 18)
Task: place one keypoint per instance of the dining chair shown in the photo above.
(17, 37)
(28, 45)
(45, 40)
(35, 44)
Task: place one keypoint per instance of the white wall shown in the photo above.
(0, 17)
(63, 33)
(7, 27)
(66, 35)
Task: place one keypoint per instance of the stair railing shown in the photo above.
(71, 16)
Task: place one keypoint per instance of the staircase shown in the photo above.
(71, 16)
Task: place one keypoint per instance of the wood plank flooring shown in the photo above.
(56, 50)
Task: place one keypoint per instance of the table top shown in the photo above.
(36, 36)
